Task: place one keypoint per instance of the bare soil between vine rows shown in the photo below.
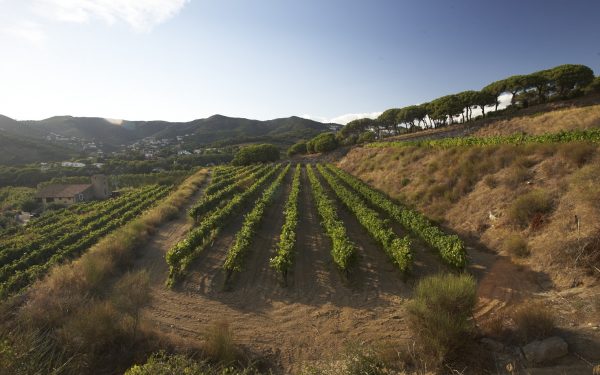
(320, 311)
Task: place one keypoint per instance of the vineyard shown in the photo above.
(244, 195)
(238, 200)
(592, 135)
(28, 253)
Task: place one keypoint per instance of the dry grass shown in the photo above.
(577, 153)
(516, 245)
(516, 175)
(586, 182)
(219, 345)
(550, 122)
(533, 321)
(529, 207)
(467, 185)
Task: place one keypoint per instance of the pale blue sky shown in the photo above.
(180, 60)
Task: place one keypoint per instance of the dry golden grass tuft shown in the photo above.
(440, 315)
(516, 245)
(529, 207)
(533, 321)
(219, 345)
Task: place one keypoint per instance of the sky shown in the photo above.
(329, 60)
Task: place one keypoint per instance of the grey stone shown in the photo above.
(492, 345)
(546, 350)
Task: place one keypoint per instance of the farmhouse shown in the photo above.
(74, 193)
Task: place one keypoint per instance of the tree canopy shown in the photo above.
(563, 81)
(261, 153)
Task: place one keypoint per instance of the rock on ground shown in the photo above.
(546, 350)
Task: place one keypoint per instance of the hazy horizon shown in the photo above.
(180, 60)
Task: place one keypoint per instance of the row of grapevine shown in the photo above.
(398, 249)
(20, 273)
(592, 135)
(450, 247)
(223, 170)
(31, 238)
(58, 241)
(237, 175)
(283, 259)
(185, 251)
(243, 238)
(343, 251)
(208, 202)
(50, 217)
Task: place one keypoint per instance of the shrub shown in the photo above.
(219, 345)
(322, 143)
(162, 363)
(516, 245)
(490, 181)
(298, 148)
(533, 321)
(366, 137)
(440, 312)
(256, 154)
(525, 208)
(594, 86)
(586, 182)
(516, 175)
(130, 294)
(577, 153)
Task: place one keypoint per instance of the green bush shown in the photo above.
(440, 314)
(594, 86)
(165, 364)
(322, 143)
(366, 137)
(298, 148)
(525, 208)
(263, 153)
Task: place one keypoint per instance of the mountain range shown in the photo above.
(61, 137)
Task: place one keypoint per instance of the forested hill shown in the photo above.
(110, 134)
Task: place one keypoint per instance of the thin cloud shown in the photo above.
(26, 30)
(344, 119)
(141, 15)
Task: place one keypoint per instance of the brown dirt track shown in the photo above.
(319, 312)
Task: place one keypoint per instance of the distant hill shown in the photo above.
(23, 150)
(23, 144)
(218, 128)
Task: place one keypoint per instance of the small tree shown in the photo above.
(483, 99)
(323, 143)
(298, 148)
(568, 77)
(366, 137)
(496, 88)
(256, 154)
(389, 119)
(594, 86)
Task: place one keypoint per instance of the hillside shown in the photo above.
(532, 205)
(111, 134)
(22, 144)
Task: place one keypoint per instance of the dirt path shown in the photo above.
(311, 319)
